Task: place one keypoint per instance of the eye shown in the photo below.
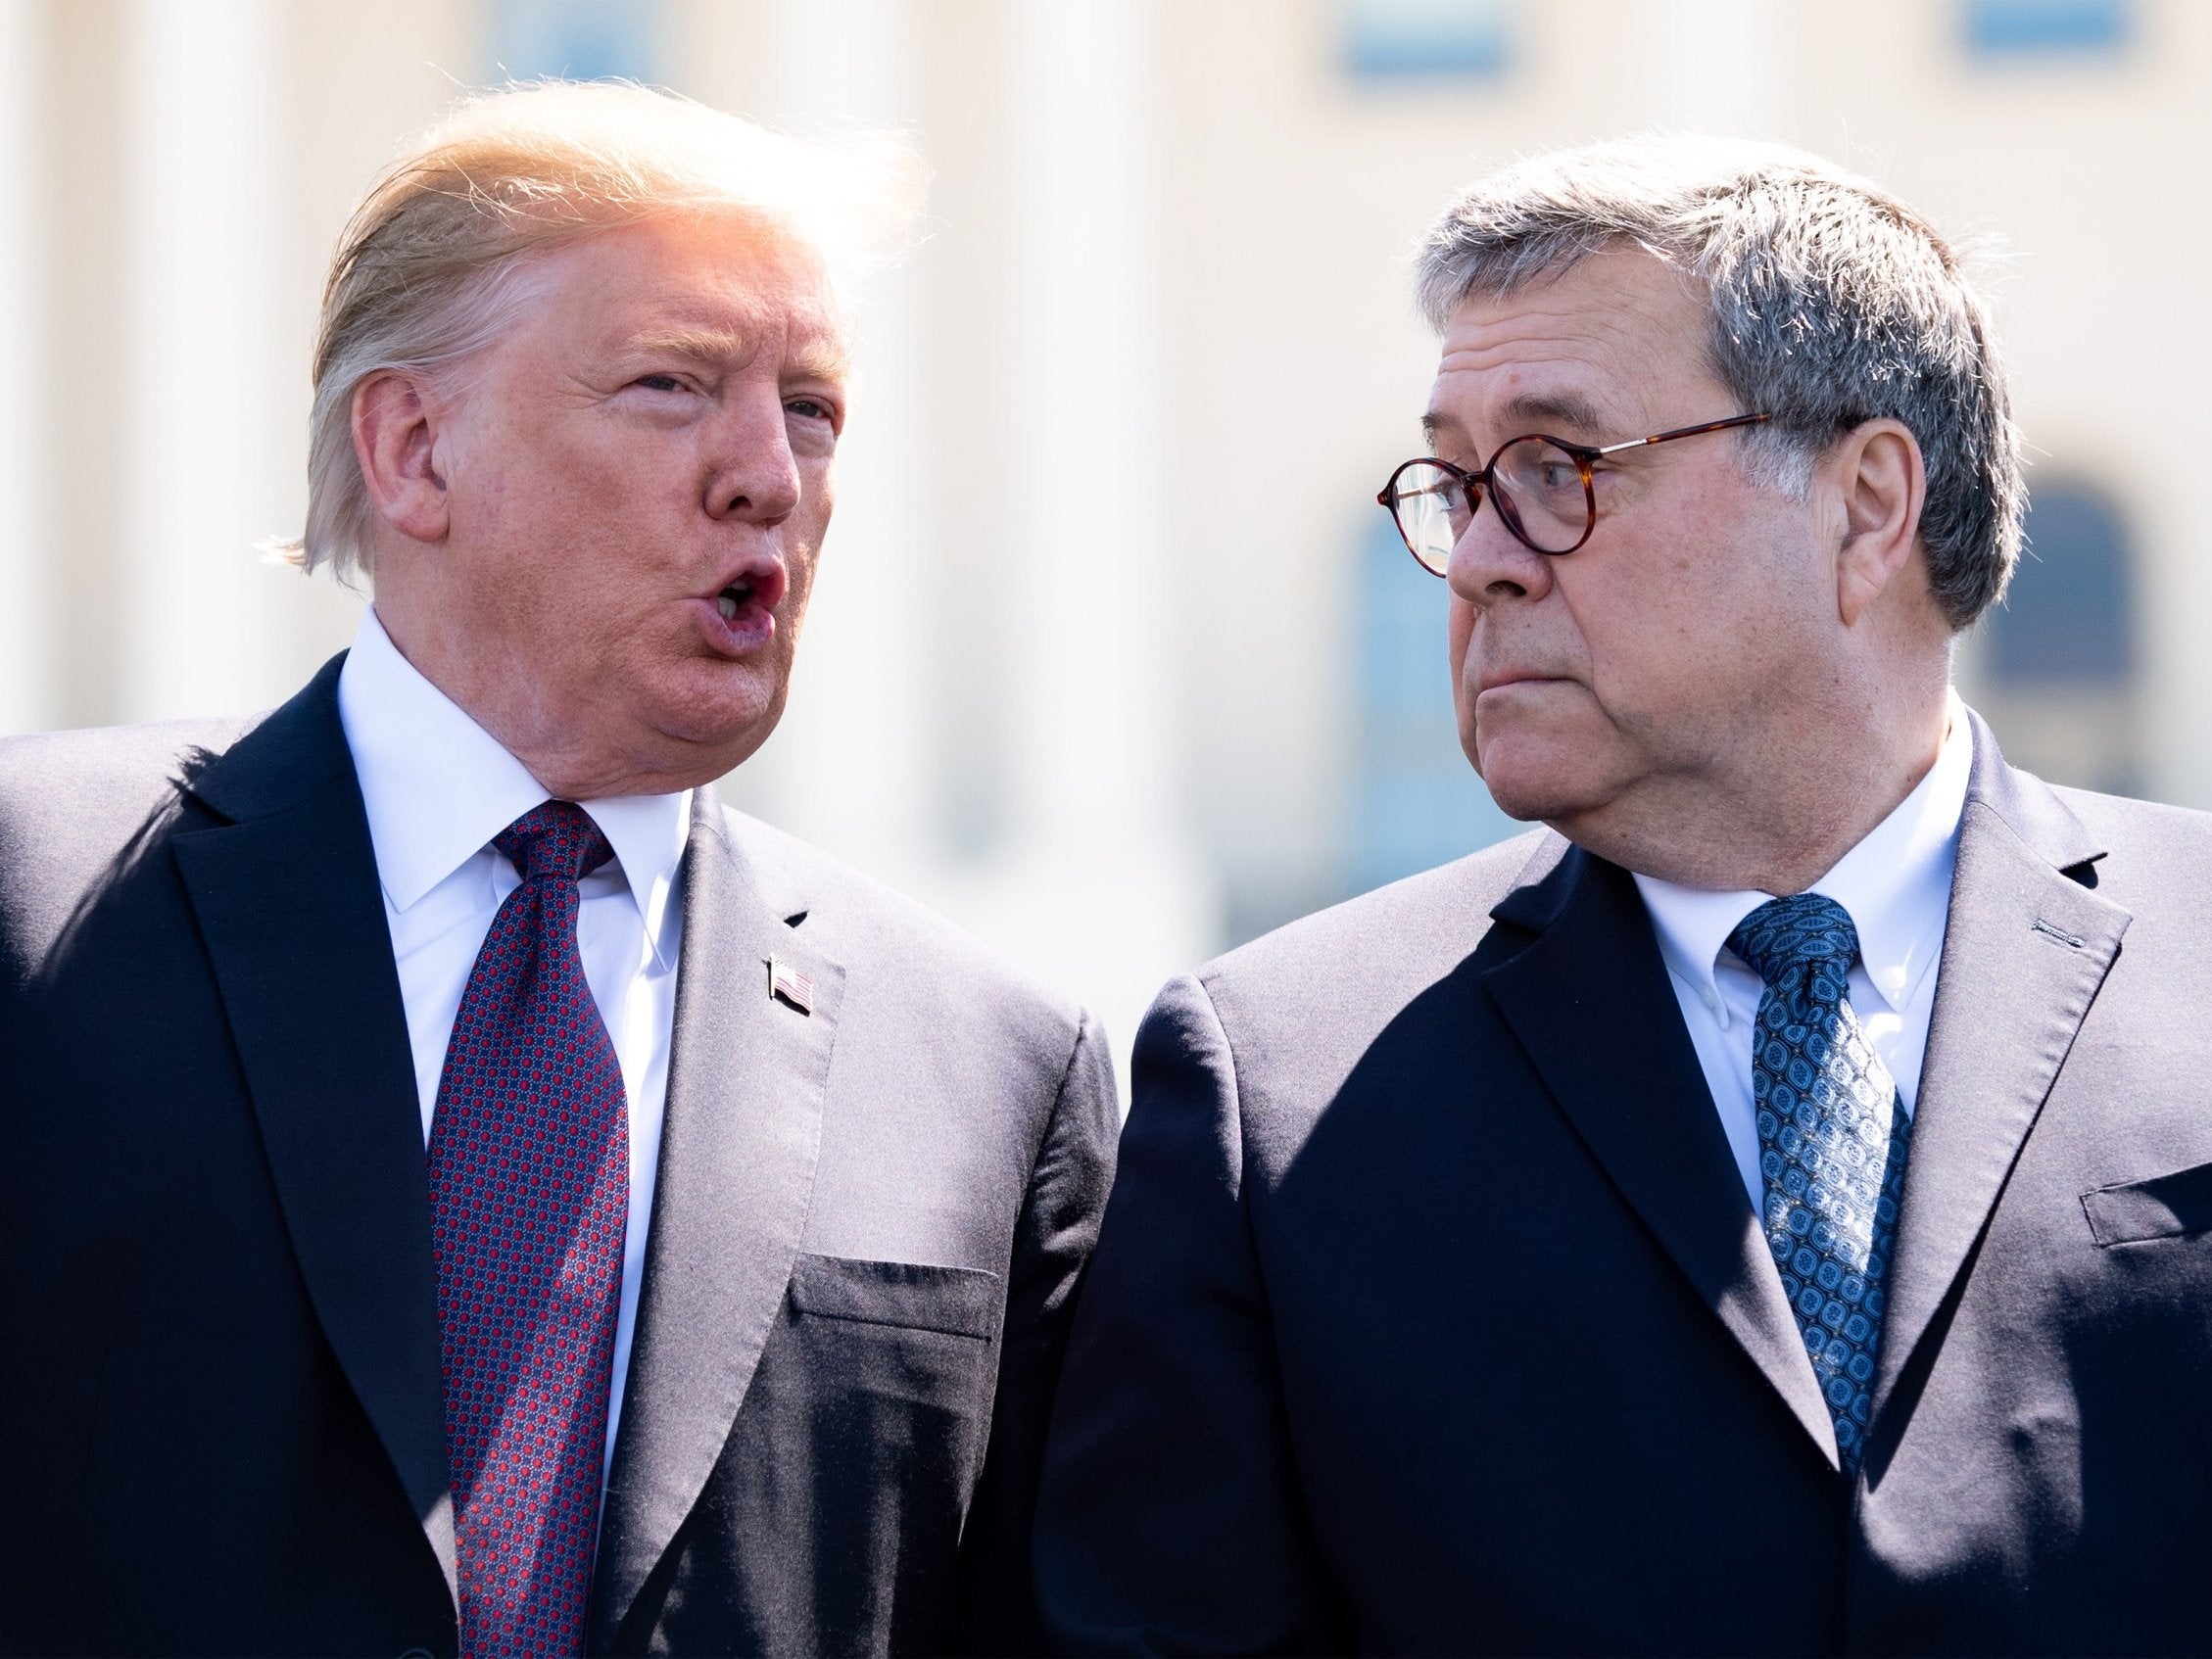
(811, 408)
(661, 382)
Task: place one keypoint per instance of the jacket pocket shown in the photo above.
(2164, 1208)
(960, 1302)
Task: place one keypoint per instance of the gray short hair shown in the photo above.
(440, 257)
(1833, 304)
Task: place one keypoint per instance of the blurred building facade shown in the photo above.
(1113, 656)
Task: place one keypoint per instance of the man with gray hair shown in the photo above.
(468, 1190)
(1762, 1211)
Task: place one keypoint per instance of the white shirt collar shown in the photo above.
(1895, 883)
(438, 787)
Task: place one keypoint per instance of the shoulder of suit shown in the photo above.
(873, 927)
(74, 806)
(101, 784)
(2155, 855)
(107, 756)
(1408, 932)
(1292, 1014)
(2125, 820)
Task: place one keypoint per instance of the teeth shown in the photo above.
(728, 604)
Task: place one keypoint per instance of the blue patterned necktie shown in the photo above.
(1832, 1133)
(529, 1200)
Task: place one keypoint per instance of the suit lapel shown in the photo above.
(1590, 1002)
(738, 1149)
(287, 901)
(2026, 949)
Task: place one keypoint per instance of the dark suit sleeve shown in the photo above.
(1052, 1241)
(1170, 1520)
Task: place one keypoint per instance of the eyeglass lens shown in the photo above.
(1541, 496)
(1541, 491)
(1430, 505)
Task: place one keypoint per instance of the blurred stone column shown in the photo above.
(28, 623)
(851, 768)
(205, 448)
(1106, 894)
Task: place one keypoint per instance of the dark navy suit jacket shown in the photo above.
(1430, 1315)
(221, 1416)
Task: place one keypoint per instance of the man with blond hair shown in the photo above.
(469, 1191)
(1765, 1210)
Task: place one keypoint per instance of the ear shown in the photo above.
(396, 432)
(1881, 484)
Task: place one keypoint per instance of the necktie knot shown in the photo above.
(556, 841)
(1786, 936)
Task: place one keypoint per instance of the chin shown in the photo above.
(718, 744)
(1527, 806)
(724, 704)
(1535, 783)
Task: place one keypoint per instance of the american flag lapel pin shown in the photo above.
(789, 984)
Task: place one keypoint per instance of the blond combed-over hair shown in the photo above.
(443, 252)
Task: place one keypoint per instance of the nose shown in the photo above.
(752, 474)
(1489, 564)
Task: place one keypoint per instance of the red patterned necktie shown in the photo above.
(529, 1195)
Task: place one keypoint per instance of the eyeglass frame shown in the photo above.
(1484, 481)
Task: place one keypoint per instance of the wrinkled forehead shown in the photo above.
(1589, 351)
(708, 284)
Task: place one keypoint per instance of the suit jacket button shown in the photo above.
(418, 1653)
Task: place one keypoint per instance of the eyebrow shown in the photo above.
(711, 346)
(695, 345)
(1557, 408)
(823, 361)
(1569, 410)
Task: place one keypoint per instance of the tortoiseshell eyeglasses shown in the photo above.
(1542, 486)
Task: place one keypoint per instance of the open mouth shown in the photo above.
(742, 613)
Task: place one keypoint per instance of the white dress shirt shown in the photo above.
(438, 787)
(1895, 884)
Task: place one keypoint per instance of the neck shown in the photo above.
(500, 694)
(1792, 806)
